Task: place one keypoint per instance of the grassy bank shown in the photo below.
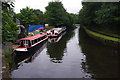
(105, 37)
(111, 34)
(8, 60)
(8, 50)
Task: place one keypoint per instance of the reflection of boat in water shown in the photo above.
(29, 42)
(54, 60)
(56, 32)
(56, 39)
(56, 50)
(19, 59)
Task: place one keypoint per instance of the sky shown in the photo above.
(72, 6)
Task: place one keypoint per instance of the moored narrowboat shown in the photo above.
(27, 43)
(55, 32)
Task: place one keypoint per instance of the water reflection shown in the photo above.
(66, 51)
(102, 60)
(56, 50)
(27, 57)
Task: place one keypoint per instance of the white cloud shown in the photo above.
(72, 6)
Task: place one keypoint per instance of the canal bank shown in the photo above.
(104, 38)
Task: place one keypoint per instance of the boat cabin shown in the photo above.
(31, 41)
(55, 32)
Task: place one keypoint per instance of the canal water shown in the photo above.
(73, 55)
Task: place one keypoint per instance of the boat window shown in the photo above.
(29, 42)
(52, 31)
(35, 40)
(26, 43)
(21, 43)
(42, 38)
(38, 39)
(32, 42)
(45, 36)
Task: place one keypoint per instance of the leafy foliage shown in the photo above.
(9, 27)
(39, 18)
(86, 14)
(100, 15)
(29, 16)
(74, 18)
(56, 15)
(108, 13)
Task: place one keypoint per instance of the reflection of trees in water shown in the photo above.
(102, 60)
(56, 50)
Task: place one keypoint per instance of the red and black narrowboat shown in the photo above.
(29, 42)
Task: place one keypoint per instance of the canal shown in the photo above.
(72, 55)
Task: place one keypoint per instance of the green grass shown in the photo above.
(8, 58)
(8, 54)
(102, 36)
(100, 31)
(115, 35)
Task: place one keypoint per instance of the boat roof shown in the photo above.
(56, 29)
(33, 37)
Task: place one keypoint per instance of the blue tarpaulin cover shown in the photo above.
(34, 27)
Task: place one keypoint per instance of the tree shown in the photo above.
(29, 16)
(100, 15)
(39, 14)
(55, 14)
(108, 14)
(74, 18)
(9, 27)
(87, 13)
(25, 17)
